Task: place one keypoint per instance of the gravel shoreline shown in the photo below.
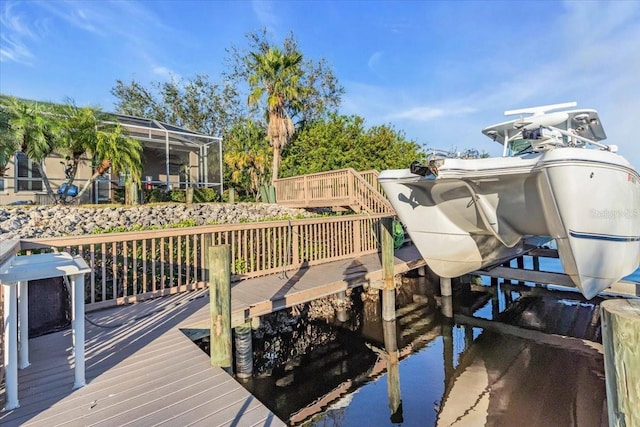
(58, 220)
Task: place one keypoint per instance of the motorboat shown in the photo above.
(556, 179)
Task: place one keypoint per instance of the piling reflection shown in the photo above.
(393, 370)
(493, 356)
(540, 364)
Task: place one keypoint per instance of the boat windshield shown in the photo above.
(518, 146)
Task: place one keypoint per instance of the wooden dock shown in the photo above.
(143, 370)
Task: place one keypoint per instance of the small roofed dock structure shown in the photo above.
(15, 273)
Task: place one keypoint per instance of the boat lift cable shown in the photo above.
(283, 275)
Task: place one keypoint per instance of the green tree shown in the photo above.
(247, 157)
(33, 127)
(8, 143)
(197, 104)
(344, 142)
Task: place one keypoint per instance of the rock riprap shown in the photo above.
(54, 221)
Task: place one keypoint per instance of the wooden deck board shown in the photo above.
(198, 403)
(113, 387)
(145, 371)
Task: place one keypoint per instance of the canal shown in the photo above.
(510, 355)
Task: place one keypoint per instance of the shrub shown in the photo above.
(178, 196)
(118, 195)
(205, 195)
(154, 195)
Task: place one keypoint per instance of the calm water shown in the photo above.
(315, 370)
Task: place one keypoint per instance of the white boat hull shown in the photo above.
(479, 212)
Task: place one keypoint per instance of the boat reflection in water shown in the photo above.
(538, 363)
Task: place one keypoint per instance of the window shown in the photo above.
(28, 177)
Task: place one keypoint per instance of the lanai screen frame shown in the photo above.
(154, 133)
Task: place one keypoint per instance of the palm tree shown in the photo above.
(8, 143)
(86, 131)
(276, 76)
(112, 149)
(34, 128)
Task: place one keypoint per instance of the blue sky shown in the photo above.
(439, 71)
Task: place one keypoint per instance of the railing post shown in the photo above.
(23, 316)
(11, 345)
(306, 191)
(357, 236)
(295, 245)
(219, 275)
(77, 296)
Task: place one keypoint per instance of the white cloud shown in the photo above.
(15, 36)
(374, 60)
(265, 14)
(426, 113)
(165, 73)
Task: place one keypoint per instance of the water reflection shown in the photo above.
(392, 355)
(537, 363)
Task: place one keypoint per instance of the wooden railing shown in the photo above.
(339, 188)
(134, 266)
(371, 176)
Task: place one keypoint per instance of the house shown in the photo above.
(172, 157)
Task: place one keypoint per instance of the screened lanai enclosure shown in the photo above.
(172, 158)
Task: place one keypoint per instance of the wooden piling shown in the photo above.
(244, 351)
(389, 290)
(219, 270)
(447, 306)
(445, 287)
(341, 312)
(621, 341)
(255, 322)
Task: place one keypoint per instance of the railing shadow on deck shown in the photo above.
(122, 333)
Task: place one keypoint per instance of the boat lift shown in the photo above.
(552, 280)
(15, 273)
